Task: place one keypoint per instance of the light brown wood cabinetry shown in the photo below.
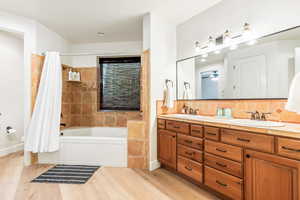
(224, 150)
(190, 168)
(197, 131)
(289, 148)
(250, 140)
(270, 177)
(212, 133)
(236, 164)
(190, 141)
(225, 165)
(190, 153)
(224, 183)
(167, 149)
(161, 123)
(179, 127)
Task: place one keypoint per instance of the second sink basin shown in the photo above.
(255, 123)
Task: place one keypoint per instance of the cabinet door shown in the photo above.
(270, 177)
(167, 148)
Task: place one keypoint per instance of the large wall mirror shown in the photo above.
(257, 71)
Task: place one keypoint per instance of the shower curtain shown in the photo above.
(44, 128)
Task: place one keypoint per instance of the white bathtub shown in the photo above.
(105, 146)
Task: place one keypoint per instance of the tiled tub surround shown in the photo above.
(79, 108)
(239, 108)
(80, 103)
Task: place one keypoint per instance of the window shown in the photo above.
(120, 83)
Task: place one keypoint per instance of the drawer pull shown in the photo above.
(222, 184)
(177, 127)
(188, 168)
(161, 124)
(221, 165)
(209, 133)
(189, 153)
(196, 131)
(221, 150)
(243, 140)
(188, 141)
(291, 149)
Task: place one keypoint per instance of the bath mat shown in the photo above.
(67, 174)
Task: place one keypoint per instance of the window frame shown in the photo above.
(100, 83)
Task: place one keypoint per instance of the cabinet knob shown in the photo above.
(247, 156)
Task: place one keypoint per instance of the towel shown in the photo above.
(169, 95)
(293, 103)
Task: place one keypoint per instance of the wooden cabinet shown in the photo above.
(270, 177)
(234, 163)
(167, 148)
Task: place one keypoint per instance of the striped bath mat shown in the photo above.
(68, 174)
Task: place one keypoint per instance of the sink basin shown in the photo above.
(254, 123)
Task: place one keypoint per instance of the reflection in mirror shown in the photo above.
(256, 71)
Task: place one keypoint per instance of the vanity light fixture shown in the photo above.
(247, 31)
(226, 40)
(197, 47)
(211, 42)
(226, 37)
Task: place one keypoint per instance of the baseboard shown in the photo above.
(154, 165)
(11, 149)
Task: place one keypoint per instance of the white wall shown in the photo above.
(100, 49)
(264, 16)
(11, 81)
(162, 39)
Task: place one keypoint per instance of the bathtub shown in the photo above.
(105, 146)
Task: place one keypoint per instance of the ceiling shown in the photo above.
(121, 20)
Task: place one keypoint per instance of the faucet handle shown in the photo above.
(263, 115)
(253, 114)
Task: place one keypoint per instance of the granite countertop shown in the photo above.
(290, 130)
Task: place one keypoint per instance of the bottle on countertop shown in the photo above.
(70, 75)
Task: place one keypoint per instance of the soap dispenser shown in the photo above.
(70, 75)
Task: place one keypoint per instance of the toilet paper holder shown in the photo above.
(10, 130)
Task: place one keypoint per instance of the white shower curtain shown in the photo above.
(44, 128)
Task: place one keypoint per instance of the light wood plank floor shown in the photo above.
(106, 184)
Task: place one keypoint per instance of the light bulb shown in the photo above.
(226, 37)
(197, 47)
(211, 42)
(233, 47)
(203, 60)
(217, 51)
(204, 55)
(252, 42)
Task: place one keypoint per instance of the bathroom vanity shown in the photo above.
(237, 162)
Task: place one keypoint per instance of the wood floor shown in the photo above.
(106, 184)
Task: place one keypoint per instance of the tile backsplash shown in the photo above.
(239, 108)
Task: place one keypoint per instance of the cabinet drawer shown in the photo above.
(197, 131)
(250, 140)
(231, 167)
(190, 168)
(180, 127)
(212, 133)
(289, 148)
(161, 123)
(223, 150)
(190, 141)
(190, 153)
(223, 183)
